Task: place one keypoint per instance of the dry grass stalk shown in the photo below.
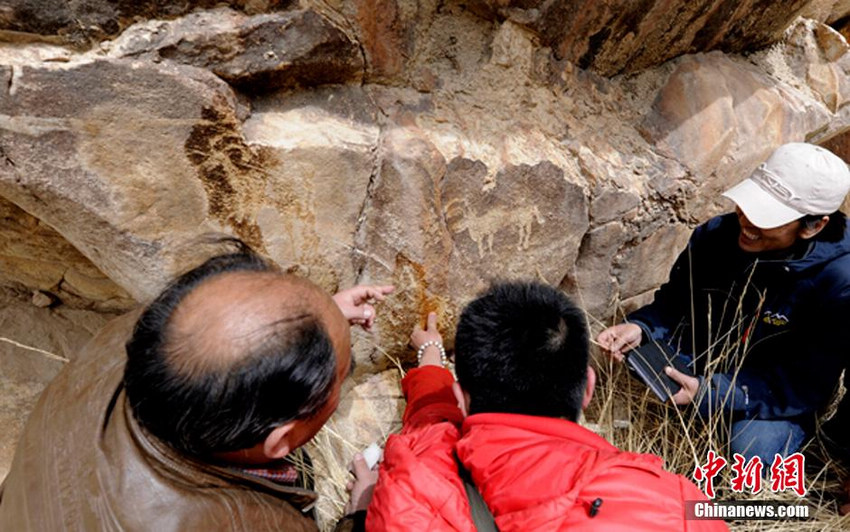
(682, 440)
(626, 413)
(48, 354)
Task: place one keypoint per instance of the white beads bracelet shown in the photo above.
(444, 360)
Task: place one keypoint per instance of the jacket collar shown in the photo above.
(192, 473)
(546, 426)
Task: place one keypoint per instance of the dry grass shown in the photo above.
(331, 453)
(369, 411)
(627, 414)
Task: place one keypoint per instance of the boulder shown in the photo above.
(820, 62)
(645, 266)
(37, 258)
(128, 160)
(258, 53)
(82, 22)
(618, 36)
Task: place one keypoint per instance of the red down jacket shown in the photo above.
(535, 473)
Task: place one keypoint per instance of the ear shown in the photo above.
(588, 389)
(462, 398)
(807, 232)
(277, 444)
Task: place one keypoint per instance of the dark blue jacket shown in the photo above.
(785, 323)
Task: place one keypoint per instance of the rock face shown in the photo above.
(437, 146)
(35, 257)
(261, 53)
(611, 36)
(323, 153)
(68, 133)
(84, 21)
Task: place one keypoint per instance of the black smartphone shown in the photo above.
(648, 362)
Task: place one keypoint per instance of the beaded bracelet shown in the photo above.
(444, 360)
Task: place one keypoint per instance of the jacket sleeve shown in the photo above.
(669, 311)
(430, 400)
(418, 485)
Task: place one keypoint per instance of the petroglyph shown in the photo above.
(231, 171)
(483, 227)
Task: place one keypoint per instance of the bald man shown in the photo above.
(234, 366)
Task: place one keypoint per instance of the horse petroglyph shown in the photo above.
(483, 227)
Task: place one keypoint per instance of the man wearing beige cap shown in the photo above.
(766, 290)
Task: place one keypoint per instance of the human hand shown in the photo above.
(361, 488)
(355, 303)
(418, 337)
(690, 386)
(617, 340)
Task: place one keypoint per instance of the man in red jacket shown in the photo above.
(523, 379)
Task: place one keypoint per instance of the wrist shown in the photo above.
(432, 352)
(430, 357)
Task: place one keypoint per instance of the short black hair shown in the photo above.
(287, 375)
(522, 347)
(835, 227)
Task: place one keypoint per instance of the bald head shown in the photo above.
(231, 350)
(230, 316)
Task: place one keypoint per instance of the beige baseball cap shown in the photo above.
(796, 180)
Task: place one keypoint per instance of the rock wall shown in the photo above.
(35, 258)
(433, 145)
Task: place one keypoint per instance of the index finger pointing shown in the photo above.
(432, 321)
(377, 292)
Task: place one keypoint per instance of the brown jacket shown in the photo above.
(83, 463)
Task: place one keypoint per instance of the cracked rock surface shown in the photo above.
(433, 145)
